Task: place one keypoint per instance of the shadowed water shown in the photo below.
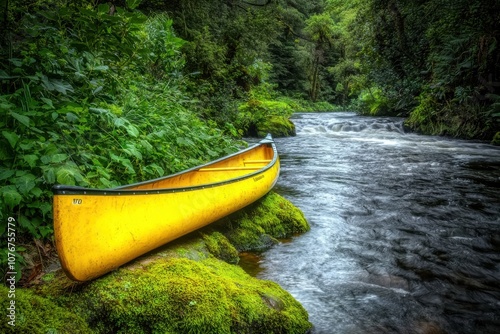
(405, 231)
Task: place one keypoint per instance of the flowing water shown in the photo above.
(405, 228)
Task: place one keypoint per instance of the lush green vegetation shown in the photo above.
(378, 57)
(434, 61)
(100, 93)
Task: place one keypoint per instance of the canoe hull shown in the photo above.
(98, 231)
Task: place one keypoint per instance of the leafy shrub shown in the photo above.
(373, 101)
(256, 111)
(96, 100)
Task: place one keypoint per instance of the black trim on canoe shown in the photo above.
(122, 190)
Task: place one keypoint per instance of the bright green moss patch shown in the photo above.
(35, 314)
(277, 126)
(218, 245)
(48, 277)
(179, 295)
(260, 117)
(258, 226)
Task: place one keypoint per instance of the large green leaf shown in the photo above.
(146, 145)
(58, 158)
(124, 162)
(25, 120)
(48, 103)
(45, 207)
(25, 183)
(183, 141)
(132, 130)
(50, 175)
(10, 195)
(133, 151)
(5, 173)
(11, 137)
(65, 176)
(57, 85)
(37, 192)
(46, 159)
(132, 4)
(103, 9)
(62, 87)
(26, 223)
(31, 159)
(158, 169)
(128, 166)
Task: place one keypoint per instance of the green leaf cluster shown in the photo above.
(92, 96)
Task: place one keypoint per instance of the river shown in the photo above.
(405, 228)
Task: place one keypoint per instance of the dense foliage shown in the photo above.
(91, 99)
(376, 57)
(436, 61)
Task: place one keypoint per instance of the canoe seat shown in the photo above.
(250, 162)
(222, 169)
(256, 161)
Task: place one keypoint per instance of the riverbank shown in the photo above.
(191, 285)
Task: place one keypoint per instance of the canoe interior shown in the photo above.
(220, 171)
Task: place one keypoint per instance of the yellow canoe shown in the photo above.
(97, 230)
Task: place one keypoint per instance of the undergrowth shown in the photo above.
(94, 100)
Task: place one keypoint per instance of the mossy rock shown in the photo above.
(257, 118)
(179, 295)
(219, 246)
(496, 139)
(36, 314)
(277, 126)
(258, 226)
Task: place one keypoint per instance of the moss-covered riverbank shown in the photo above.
(192, 285)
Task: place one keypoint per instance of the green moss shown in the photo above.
(260, 117)
(178, 295)
(48, 277)
(301, 105)
(248, 236)
(278, 126)
(258, 226)
(218, 245)
(463, 120)
(422, 117)
(35, 314)
(291, 219)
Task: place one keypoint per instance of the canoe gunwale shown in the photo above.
(123, 191)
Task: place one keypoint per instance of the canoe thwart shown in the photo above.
(223, 169)
(256, 161)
